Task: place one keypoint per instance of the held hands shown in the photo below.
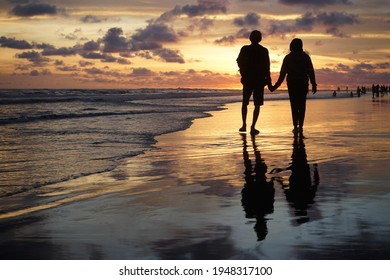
(272, 88)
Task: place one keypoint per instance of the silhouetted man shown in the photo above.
(254, 65)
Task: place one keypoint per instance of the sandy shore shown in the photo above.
(211, 193)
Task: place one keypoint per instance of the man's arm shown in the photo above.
(312, 76)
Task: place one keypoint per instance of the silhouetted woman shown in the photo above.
(299, 69)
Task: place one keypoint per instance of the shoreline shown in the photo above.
(183, 199)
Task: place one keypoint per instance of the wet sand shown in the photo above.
(209, 192)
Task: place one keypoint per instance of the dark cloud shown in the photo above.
(251, 19)
(63, 51)
(94, 71)
(14, 44)
(204, 7)
(331, 21)
(58, 62)
(143, 46)
(202, 24)
(363, 72)
(113, 41)
(169, 55)
(142, 72)
(91, 46)
(34, 57)
(156, 32)
(84, 63)
(68, 68)
(93, 55)
(21, 44)
(229, 40)
(226, 40)
(314, 2)
(122, 60)
(34, 9)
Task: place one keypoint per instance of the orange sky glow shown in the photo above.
(189, 44)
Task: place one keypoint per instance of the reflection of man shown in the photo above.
(258, 193)
(302, 189)
(253, 61)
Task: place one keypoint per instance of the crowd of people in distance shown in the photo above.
(377, 90)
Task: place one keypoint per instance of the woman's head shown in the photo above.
(296, 45)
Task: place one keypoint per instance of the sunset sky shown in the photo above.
(191, 43)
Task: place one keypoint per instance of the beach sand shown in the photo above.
(209, 192)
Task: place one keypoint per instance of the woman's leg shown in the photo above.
(294, 107)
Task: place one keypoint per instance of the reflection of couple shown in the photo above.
(258, 192)
(254, 64)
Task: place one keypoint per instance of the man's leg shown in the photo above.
(258, 98)
(246, 94)
(256, 113)
(244, 111)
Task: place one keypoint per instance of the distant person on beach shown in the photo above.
(299, 69)
(253, 61)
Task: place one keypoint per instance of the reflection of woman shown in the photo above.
(302, 189)
(298, 67)
(258, 193)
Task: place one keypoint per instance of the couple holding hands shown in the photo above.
(254, 63)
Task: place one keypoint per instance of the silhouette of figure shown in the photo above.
(298, 67)
(302, 189)
(257, 196)
(253, 61)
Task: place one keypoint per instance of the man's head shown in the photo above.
(255, 37)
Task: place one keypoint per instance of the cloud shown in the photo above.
(157, 33)
(114, 41)
(231, 39)
(204, 7)
(63, 51)
(142, 72)
(92, 19)
(202, 24)
(226, 40)
(84, 63)
(91, 46)
(68, 68)
(34, 9)
(314, 2)
(361, 73)
(251, 19)
(14, 44)
(34, 57)
(92, 55)
(169, 55)
(331, 21)
(94, 71)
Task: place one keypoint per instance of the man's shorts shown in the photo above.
(258, 93)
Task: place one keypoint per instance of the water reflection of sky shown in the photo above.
(191, 203)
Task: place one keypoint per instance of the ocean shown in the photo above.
(96, 174)
(49, 136)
